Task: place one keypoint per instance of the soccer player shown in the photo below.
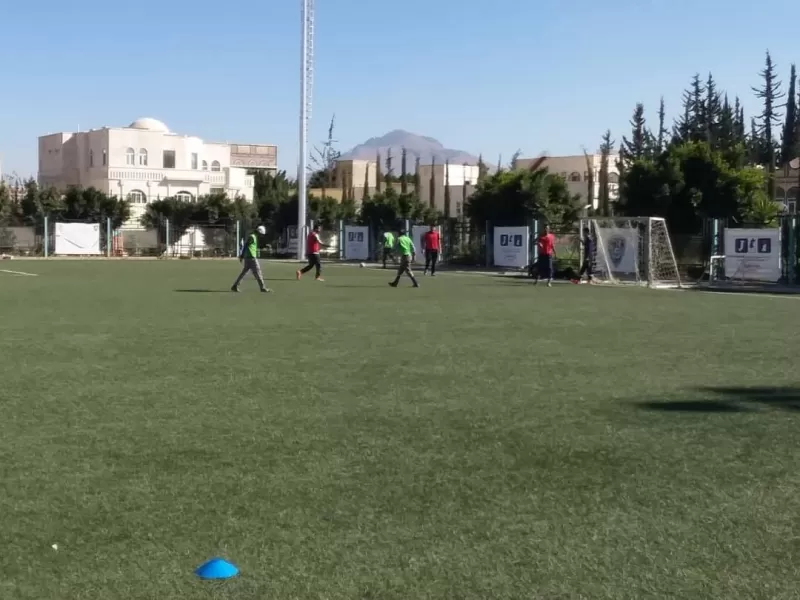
(547, 251)
(431, 243)
(388, 247)
(313, 246)
(249, 256)
(408, 253)
(588, 256)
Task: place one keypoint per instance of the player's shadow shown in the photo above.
(204, 291)
(733, 400)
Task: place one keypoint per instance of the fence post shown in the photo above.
(46, 237)
(238, 235)
(340, 238)
(166, 237)
(108, 237)
(792, 258)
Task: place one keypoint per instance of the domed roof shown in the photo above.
(149, 124)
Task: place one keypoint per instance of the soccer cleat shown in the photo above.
(266, 291)
(393, 284)
(298, 274)
(549, 284)
(318, 279)
(234, 288)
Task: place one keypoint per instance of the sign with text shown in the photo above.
(356, 242)
(511, 247)
(753, 254)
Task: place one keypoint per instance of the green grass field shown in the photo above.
(477, 438)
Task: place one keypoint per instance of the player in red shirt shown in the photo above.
(546, 245)
(313, 246)
(431, 244)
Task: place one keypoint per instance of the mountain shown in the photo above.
(426, 148)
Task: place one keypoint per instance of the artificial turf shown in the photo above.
(477, 438)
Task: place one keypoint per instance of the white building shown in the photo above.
(575, 171)
(145, 162)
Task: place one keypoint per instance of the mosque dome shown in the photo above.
(148, 124)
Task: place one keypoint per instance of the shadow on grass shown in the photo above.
(749, 289)
(733, 400)
(204, 291)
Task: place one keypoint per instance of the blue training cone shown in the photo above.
(216, 568)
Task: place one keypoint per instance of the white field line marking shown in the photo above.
(23, 273)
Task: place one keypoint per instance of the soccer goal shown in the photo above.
(634, 251)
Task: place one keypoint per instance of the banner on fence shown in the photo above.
(77, 239)
(356, 242)
(511, 247)
(417, 236)
(753, 254)
(622, 248)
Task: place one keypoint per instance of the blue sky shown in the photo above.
(490, 77)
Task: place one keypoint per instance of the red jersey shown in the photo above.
(313, 243)
(431, 240)
(546, 244)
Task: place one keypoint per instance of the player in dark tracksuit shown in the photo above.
(588, 256)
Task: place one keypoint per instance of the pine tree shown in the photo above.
(661, 140)
(378, 172)
(636, 147)
(447, 189)
(726, 127)
(789, 139)
(417, 182)
(712, 109)
(739, 131)
(403, 171)
(770, 93)
(482, 169)
(463, 195)
(432, 184)
(691, 127)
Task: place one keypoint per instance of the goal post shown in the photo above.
(634, 251)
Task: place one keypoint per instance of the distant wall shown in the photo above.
(14, 240)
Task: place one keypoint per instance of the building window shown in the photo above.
(194, 161)
(215, 166)
(137, 197)
(217, 190)
(185, 196)
(205, 166)
(91, 158)
(105, 158)
(238, 163)
(780, 194)
(575, 176)
(130, 156)
(791, 194)
(142, 157)
(169, 159)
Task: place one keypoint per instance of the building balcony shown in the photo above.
(214, 178)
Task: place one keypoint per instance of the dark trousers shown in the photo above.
(313, 262)
(404, 268)
(586, 267)
(250, 265)
(431, 258)
(388, 253)
(545, 267)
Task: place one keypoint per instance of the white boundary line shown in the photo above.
(23, 273)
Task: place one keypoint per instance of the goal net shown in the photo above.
(633, 251)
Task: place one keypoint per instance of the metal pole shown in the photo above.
(108, 236)
(166, 225)
(46, 239)
(306, 73)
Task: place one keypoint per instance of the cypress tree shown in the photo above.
(403, 171)
(417, 182)
(432, 184)
(378, 173)
(389, 168)
(365, 193)
(482, 169)
(789, 139)
(605, 192)
(712, 109)
(661, 139)
(447, 189)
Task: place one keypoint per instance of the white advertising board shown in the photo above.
(622, 248)
(511, 247)
(356, 242)
(417, 236)
(753, 254)
(77, 239)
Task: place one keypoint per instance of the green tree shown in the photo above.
(661, 137)
(92, 205)
(323, 162)
(636, 147)
(365, 192)
(378, 173)
(447, 198)
(176, 212)
(790, 143)
(483, 170)
(39, 202)
(403, 171)
(389, 178)
(606, 148)
(271, 194)
(417, 182)
(514, 197)
(712, 108)
(770, 93)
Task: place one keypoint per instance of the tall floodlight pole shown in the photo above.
(306, 88)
